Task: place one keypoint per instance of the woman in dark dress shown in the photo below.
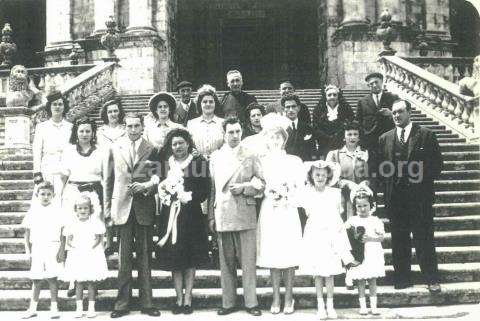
(329, 118)
(185, 242)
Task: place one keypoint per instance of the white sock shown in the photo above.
(329, 303)
(33, 305)
(79, 305)
(91, 306)
(320, 302)
(373, 302)
(54, 306)
(363, 303)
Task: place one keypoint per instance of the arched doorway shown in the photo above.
(464, 28)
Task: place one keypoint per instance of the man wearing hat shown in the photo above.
(374, 111)
(186, 108)
(235, 101)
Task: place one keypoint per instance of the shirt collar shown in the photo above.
(408, 129)
(168, 123)
(213, 120)
(59, 124)
(186, 106)
(295, 122)
(137, 143)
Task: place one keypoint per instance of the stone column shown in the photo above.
(58, 22)
(140, 17)
(102, 10)
(397, 9)
(354, 13)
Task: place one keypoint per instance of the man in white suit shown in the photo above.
(130, 204)
(237, 178)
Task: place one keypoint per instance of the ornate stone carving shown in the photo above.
(7, 48)
(111, 40)
(470, 86)
(386, 33)
(20, 92)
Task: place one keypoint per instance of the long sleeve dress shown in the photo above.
(191, 247)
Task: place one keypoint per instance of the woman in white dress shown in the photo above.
(279, 232)
(112, 115)
(49, 141)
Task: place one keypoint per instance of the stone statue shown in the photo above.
(470, 86)
(20, 93)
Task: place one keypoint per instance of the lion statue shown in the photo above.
(20, 93)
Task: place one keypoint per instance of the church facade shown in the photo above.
(311, 42)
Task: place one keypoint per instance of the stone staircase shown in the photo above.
(457, 224)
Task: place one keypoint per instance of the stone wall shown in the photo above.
(83, 22)
(164, 13)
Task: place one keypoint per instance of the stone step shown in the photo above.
(459, 165)
(26, 184)
(457, 223)
(458, 147)
(460, 174)
(17, 174)
(451, 140)
(451, 185)
(452, 293)
(445, 210)
(7, 218)
(205, 279)
(440, 196)
(463, 156)
(442, 238)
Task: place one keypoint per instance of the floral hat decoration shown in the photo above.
(334, 169)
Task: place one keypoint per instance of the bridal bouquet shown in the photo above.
(172, 189)
(279, 193)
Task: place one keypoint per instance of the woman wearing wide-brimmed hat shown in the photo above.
(162, 106)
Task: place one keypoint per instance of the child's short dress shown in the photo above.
(83, 262)
(325, 241)
(373, 265)
(45, 225)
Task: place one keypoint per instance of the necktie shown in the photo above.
(133, 153)
(293, 125)
(402, 136)
(377, 100)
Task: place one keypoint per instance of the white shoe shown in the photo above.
(363, 311)
(331, 313)
(289, 309)
(321, 313)
(275, 309)
(54, 314)
(374, 311)
(30, 314)
(91, 314)
(78, 314)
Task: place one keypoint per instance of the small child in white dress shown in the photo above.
(372, 234)
(84, 235)
(43, 226)
(325, 241)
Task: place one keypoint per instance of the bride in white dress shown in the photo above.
(279, 233)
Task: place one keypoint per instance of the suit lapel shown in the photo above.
(413, 139)
(143, 149)
(124, 151)
(390, 142)
(230, 165)
(371, 102)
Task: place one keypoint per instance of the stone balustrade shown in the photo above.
(449, 68)
(435, 95)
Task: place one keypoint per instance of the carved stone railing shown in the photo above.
(449, 68)
(44, 77)
(438, 97)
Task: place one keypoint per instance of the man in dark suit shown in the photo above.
(130, 203)
(287, 88)
(374, 111)
(186, 108)
(409, 161)
(234, 103)
(300, 141)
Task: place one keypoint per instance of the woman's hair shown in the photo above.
(177, 132)
(310, 171)
(171, 109)
(354, 125)
(48, 106)
(83, 199)
(253, 106)
(323, 97)
(121, 112)
(208, 90)
(45, 185)
(363, 195)
(76, 125)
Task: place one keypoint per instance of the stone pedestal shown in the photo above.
(354, 13)
(140, 17)
(17, 129)
(59, 38)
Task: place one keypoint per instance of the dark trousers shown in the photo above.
(133, 235)
(409, 215)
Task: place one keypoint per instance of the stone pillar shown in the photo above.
(58, 22)
(17, 127)
(354, 13)
(102, 10)
(140, 17)
(397, 9)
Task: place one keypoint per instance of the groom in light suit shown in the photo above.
(130, 204)
(237, 178)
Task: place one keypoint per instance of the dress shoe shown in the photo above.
(226, 311)
(289, 309)
(255, 311)
(434, 288)
(402, 285)
(118, 313)
(187, 309)
(177, 309)
(275, 309)
(109, 251)
(71, 292)
(150, 312)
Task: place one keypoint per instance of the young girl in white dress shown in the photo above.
(325, 241)
(279, 231)
(84, 235)
(373, 265)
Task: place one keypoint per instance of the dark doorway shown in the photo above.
(247, 45)
(464, 28)
(27, 19)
